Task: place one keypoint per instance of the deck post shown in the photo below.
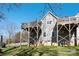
(28, 35)
(57, 34)
(75, 41)
(37, 32)
(69, 32)
(20, 38)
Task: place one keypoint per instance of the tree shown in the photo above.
(24, 37)
(11, 30)
(17, 37)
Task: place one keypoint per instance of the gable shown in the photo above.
(49, 17)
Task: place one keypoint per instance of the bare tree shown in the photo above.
(11, 30)
(7, 7)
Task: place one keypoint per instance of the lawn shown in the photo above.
(40, 51)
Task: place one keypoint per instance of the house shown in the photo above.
(52, 30)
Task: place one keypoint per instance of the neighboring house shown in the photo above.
(54, 30)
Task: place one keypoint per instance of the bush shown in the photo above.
(0, 50)
(2, 45)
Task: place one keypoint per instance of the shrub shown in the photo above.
(0, 50)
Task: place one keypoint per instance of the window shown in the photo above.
(48, 40)
(72, 19)
(49, 22)
(44, 34)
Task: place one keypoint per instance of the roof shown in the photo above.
(49, 12)
(34, 23)
(31, 24)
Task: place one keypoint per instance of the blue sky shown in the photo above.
(30, 12)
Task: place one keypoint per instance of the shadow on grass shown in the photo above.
(43, 51)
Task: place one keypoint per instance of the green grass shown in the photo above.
(41, 51)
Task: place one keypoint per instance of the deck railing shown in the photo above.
(69, 20)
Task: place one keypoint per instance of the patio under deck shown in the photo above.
(65, 30)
